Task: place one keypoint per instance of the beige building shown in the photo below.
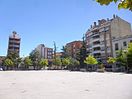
(45, 52)
(121, 43)
(99, 37)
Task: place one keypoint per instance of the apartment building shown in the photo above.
(44, 52)
(121, 44)
(73, 48)
(14, 43)
(59, 54)
(100, 37)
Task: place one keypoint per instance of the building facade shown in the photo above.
(121, 44)
(73, 48)
(59, 54)
(44, 52)
(100, 37)
(14, 43)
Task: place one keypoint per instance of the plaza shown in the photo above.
(64, 85)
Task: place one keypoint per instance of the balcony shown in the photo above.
(96, 45)
(96, 52)
(94, 29)
(14, 46)
(95, 39)
(96, 36)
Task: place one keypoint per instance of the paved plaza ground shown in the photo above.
(64, 85)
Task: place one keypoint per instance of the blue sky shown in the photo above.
(45, 21)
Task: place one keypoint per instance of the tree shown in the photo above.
(111, 60)
(81, 56)
(64, 52)
(34, 56)
(43, 62)
(74, 63)
(121, 58)
(129, 56)
(18, 61)
(27, 62)
(65, 61)
(57, 62)
(15, 58)
(90, 60)
(13, 55)
(8, 62)
(55, 48)
(125, 4)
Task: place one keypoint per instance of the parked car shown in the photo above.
(1, 69)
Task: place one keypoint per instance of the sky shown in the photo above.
(45, 21)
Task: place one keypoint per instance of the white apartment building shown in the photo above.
(100, 37)
(121, 43)
(44, 52)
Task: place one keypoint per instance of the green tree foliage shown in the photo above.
(15, 58)
(65, 61)
(73, 62)
(27, 62)
(121, 58)
(81, 56)
(76, 62)
(43, 63)
(8, 62)
(125, 4)
(55, 48)
(57, 62)
(90, 60)
(111, 60)
(64, 54)
(19, 60)
(34, 56)
(12, 55)
(129, 56)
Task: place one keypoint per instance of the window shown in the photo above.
(116, 46)
(102, 48)
(124, 44)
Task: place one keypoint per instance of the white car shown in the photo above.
(1, 69)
